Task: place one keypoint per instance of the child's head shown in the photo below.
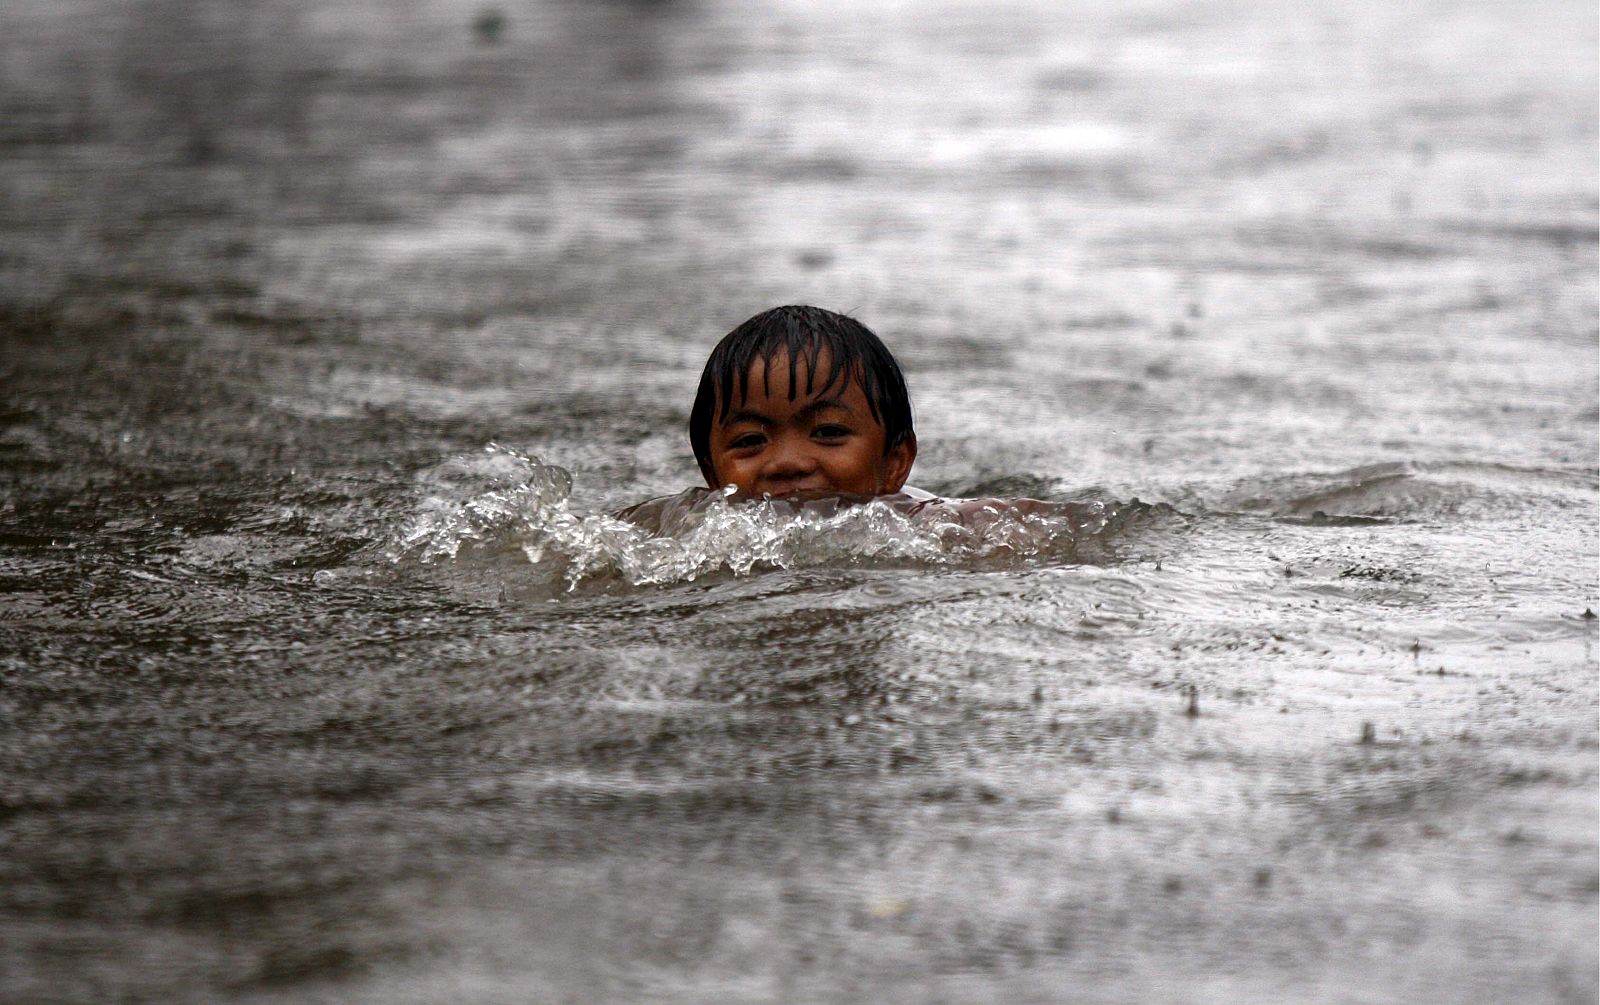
(802, 399)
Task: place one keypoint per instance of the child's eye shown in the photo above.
(747, 440)
(831, 432)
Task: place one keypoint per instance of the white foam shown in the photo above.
(502, 502)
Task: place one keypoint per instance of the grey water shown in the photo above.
(333, 334)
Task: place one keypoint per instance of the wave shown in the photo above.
(483, 509)
(1406, 492)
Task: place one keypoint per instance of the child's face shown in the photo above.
(826, 441)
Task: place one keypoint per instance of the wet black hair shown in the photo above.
(802, 334)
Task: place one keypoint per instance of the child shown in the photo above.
(809, 409)
(803, 402)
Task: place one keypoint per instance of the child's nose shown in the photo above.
(791, 461)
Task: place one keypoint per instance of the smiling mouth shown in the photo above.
(809, 493)
(789, 490)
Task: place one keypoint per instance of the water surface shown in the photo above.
(1314, 721)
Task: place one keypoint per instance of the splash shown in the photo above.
(477, 508)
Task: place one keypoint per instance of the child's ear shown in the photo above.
(897, 466)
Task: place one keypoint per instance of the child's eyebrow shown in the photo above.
(818, 405)
(746, 415)
(749, 415)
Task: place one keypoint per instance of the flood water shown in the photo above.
(317, 685)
